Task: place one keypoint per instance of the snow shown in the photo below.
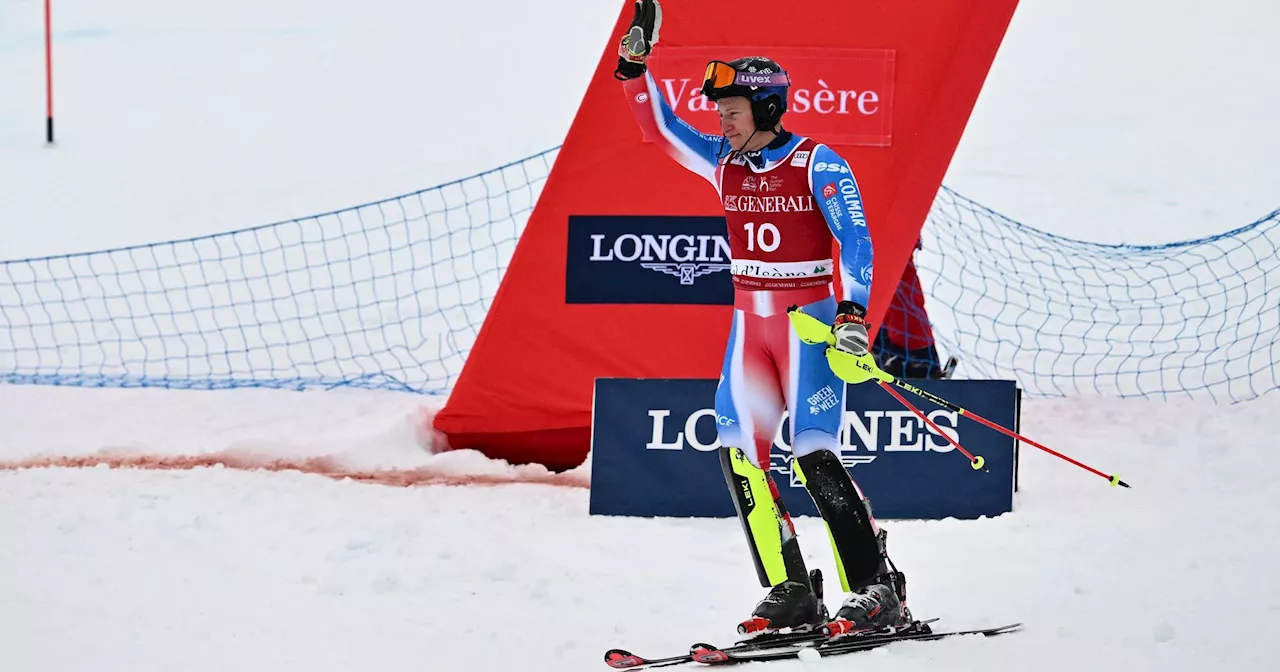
(271, 530)
(215, 569)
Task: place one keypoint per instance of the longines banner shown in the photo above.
(841, 96)
(648, 259)
(654, 449)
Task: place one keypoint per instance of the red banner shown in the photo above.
(841, 96)
(571, 309)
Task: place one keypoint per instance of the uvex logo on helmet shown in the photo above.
(753, 79)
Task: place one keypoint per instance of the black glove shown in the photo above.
(636, 45)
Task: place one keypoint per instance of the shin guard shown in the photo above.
(770, 535)
(848, 517)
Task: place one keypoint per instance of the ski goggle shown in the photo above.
(720, 75)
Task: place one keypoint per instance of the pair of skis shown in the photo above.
(794, 645)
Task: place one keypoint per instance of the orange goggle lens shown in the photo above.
(718, 75)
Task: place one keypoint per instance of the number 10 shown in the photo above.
(767, 237)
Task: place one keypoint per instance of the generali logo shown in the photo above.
(839, 97)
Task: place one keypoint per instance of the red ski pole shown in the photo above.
(1113, 478)
(976, 462)
(861, 368)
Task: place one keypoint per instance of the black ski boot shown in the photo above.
(878, 604)
(791, 605)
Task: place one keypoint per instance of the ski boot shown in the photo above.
(877, 605)
(791, 606)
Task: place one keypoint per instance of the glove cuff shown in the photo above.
(851, 308)
(629, 69)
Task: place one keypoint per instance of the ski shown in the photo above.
(850, 645)
(621, 659)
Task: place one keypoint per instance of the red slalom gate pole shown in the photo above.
(48, 70)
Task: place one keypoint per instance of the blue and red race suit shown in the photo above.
(783, 205)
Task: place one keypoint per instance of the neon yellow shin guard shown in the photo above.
(770, 536)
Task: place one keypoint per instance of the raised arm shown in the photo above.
(694, 150)
(690, 147)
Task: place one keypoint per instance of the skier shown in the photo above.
(785, 196)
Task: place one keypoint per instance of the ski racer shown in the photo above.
(785, 197)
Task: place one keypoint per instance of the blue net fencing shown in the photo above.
(1063, 317)
(386, 295)
(391, 295)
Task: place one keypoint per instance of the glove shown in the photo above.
(634, 47)
(850, 329)
(849, 366)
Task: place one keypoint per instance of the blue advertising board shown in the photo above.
(627, 259)
(654, 451)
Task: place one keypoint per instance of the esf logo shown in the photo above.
(685, 256)
(866, 434)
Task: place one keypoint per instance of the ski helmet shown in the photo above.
(759, 79)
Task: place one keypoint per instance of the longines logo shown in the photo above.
(684, 256)
(866, 435)
(638, 259)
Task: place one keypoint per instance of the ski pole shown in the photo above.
(976, 462)
(1113, 478)
(861, 368)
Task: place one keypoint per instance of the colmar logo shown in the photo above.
(853, 201)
